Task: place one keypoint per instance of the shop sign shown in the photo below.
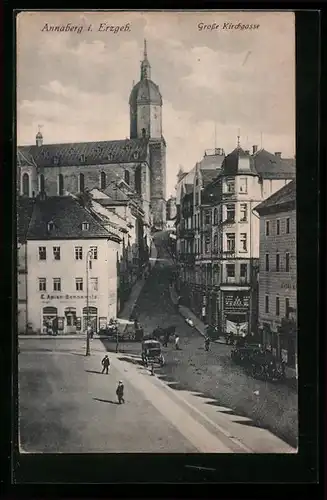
(45, 296)
(236, 301)
(288, 286)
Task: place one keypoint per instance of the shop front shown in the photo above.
(235, 318)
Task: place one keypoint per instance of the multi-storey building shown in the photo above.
(278, 274)
(70, 266)
(221, 286)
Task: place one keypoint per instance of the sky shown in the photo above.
(215, 83)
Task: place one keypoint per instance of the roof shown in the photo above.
(87, 153)
(271, 166)
(67, 215)
(284, 196)
(145, 91)
(24, 213)
(208, 176)
(212, 161)
(24, 158)
(238, 162)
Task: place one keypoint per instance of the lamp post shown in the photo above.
(88, 351)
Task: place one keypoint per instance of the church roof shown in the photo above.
(271, 166)
(145, 92)
(284, 196)
(24, 158)
(238, 162)
(67, 215)
(86, 153)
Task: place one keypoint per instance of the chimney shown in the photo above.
(254, 149)
(278, 154)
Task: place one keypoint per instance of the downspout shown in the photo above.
(26, 290)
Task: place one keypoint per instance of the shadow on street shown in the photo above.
(106, 401)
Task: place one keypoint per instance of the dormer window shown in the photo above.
(110, 156)
(136, 155)
(55, 160)
(85, 226)
(51, 226)
(82, 158)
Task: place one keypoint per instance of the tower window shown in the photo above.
(26, 184)
(126, 176)
(60, 184)
(81, 183)
(103, 182)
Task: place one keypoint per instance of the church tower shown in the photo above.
(145, 104)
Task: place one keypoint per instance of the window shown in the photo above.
(85, 226)
(81, 183)
(94, 284)
(207, 217)
(26, 184)
(215, 216)
(230, 212)
(230, 186)
(41, 183)
(243, 185)
(243, 242)
(277, 306)
(243, 270)
(287, 262)
(56, 253)
(215, 243)
(244, 212)
(126, 176)
(230, 242)
(42, 253)
(60, 184)
(267, 227)
(267, 262)
(287, 307)
(78, 253)
(103, 181)
(278, 227)
(50, 226)
(287, 225)
(42, 285)
(230, 270)
(79, 284)
(277, 262)
(207, 244)
(94, 253)
(57, 284)
(266, 303)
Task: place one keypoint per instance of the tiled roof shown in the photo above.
(24, 158)
(67, 215)
(87, 153)
(285, 195)
(212, 162)
(145, 91)
(24, 213)
(271, 166)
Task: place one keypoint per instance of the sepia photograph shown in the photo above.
(156, 232)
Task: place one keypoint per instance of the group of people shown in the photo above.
(120, 387)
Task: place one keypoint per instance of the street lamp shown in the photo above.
(88, 263)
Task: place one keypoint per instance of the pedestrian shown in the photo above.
(177, 342)
(207, 343)
(120, 392)
(105, 364)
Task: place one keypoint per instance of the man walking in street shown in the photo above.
(120, 392)
(177, 342)
(105, 364)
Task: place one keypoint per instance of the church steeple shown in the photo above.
(145, 65)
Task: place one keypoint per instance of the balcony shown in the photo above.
(229, 254)
(186, 233)
(236, 280)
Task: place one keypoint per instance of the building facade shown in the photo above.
(71, 268)
(278, 274)
(139, 162)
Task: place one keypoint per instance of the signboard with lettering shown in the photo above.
(236, 301)
(46, 296)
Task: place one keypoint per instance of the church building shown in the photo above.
(138, 163)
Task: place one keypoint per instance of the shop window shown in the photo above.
(277, 262)
(230, 270)
(267, 261)
(26, 184)
(94, 253)
(42, 253)
(287, 262)
(287, 225)
(277, 306)
(78, 253)
(243, 242)
(230, 237)
(57, 284)
(267, 227)
(278, 227)
(243, 212)
(42, 285)
(266, 303)
(56, 253)
(103, 180)
(79, 284)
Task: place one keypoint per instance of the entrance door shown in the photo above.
(90, 318)
(70, 320)
(50, 320)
